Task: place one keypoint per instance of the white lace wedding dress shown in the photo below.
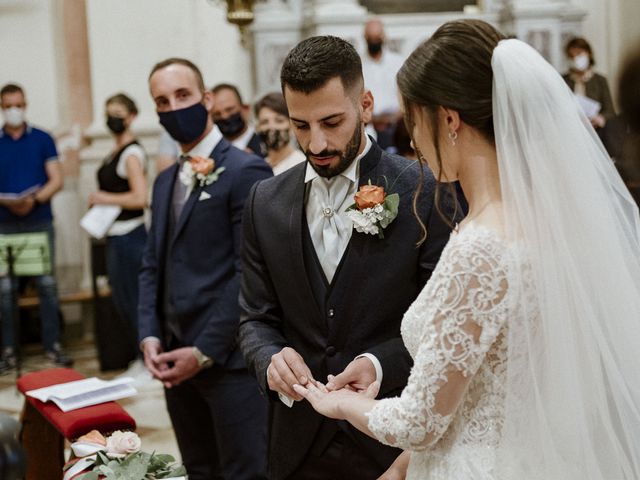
(450, 414)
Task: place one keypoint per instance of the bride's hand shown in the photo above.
(332, 403)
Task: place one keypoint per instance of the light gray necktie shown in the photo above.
(331, 242)
(179, 197)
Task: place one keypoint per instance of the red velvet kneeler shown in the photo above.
(45, 426)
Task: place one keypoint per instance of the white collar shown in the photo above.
(243, 140)
(352, 172)
(207, 144)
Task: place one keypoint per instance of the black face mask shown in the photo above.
(232, 126)
(186, 124)
(116, 124)
(275, 139)
(374, 47)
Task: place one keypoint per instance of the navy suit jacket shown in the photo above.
(204, 257)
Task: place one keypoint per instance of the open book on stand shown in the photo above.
(83, 393)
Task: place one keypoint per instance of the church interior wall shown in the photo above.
(127, 37)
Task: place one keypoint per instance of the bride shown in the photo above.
(525, 341)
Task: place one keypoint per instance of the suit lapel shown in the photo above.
(368, 170)
(296, 225)
(162, 208)
(219, 154)
(369, 166)
(353, 265)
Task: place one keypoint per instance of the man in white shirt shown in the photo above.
(379, 68)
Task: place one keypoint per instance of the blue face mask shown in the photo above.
(186, 124)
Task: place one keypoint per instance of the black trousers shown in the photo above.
(220, 422)
(343, 459)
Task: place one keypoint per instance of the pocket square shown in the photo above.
(204, 196)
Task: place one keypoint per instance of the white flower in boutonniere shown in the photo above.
(374, 210)
(199, 171)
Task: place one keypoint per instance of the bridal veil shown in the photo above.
(573, 378)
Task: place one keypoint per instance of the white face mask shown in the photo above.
(14, 116)
(581, 62)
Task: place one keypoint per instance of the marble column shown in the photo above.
(275, 29)
(335, 17)
(544, 24)
(76, 112)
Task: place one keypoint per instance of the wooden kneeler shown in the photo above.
(45, 427)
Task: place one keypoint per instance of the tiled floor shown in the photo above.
(147, 408)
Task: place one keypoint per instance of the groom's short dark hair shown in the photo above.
(316, 60)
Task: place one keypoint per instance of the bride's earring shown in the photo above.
(453, 136)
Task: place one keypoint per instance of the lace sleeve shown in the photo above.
(469, 293)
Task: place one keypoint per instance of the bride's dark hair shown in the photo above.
(451, 69)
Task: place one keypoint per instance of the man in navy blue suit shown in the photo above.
(189, 284)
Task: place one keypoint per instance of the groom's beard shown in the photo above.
(346, 157)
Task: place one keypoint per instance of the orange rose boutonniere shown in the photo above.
(374, 210)
(200, 171)
(369, 196)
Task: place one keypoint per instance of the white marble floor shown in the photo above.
(147, 408)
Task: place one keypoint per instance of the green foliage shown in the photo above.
(391, 203)
(135, 466)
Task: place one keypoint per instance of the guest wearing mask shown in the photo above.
(121, 182)
(275, 131)
(231, 116)
(584, 81)
(190, 281)
(28, 163)
(379, 67)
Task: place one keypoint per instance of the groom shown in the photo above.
(189, 284)
(317, 297)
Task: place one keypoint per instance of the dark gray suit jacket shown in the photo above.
(359, 312)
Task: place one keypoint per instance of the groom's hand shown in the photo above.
(358, 375)
(287, 368)
(398, 469)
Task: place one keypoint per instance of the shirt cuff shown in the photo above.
(284, 398)
(148, 339)
(376, 364)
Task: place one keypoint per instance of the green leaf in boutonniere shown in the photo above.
(391, 203)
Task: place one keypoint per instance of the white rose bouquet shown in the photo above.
(118, 456)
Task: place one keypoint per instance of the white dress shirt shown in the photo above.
(292, 160)
(243, 140)
(380, 78)
(337, 194)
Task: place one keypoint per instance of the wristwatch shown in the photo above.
(203, 360)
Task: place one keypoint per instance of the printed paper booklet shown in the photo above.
(83, 393)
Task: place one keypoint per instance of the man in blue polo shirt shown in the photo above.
(28, 162)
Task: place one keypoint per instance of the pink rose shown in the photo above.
(202, 165)
(123, 442)
(369, 196)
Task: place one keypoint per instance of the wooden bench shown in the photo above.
(32, 301)
(45, 427)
